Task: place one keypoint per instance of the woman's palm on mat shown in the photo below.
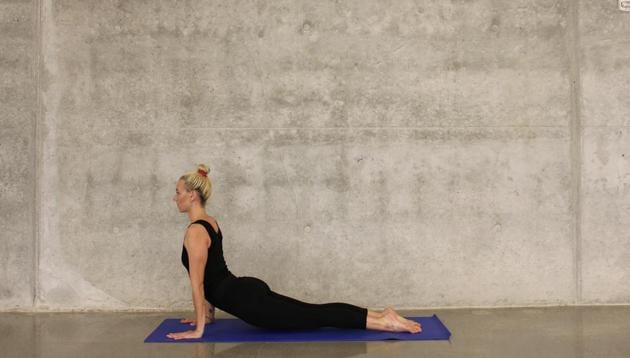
(193, 322)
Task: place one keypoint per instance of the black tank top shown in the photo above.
(216, 269)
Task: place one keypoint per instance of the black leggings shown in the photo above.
(251, 300)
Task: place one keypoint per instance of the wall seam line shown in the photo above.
(36, 149)
(576, 141)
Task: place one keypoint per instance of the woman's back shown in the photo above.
(216, 269)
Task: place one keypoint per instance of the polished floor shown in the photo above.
(514, 332)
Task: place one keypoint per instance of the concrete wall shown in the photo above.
(18, 108)
(379, 152)
(605, 53)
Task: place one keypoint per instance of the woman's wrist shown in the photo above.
(200, 325)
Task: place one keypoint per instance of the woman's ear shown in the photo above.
(194, 195)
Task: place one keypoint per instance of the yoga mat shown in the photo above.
(235, 330)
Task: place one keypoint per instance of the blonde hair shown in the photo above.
(198, 181)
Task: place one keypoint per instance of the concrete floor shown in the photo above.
(514, 332)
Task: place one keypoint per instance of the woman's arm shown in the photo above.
(196, 243)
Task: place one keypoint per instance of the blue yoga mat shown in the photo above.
(235, 330)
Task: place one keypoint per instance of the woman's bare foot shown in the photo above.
(389, 320)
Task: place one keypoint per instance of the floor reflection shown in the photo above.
(562, 332)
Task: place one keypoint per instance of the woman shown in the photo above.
(249, 298)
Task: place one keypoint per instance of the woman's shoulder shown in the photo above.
(212, 220)
(214, 224)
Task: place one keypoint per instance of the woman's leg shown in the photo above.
(289, 313)
(256, 304)
(251, 300)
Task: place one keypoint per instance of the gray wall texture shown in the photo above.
(405, 153)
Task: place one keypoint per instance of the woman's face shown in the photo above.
(182, 197)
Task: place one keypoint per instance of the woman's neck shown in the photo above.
(197, 212)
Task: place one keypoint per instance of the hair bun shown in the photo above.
(203, 170)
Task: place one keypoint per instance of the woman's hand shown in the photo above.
(185, 335)
(192, 322)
